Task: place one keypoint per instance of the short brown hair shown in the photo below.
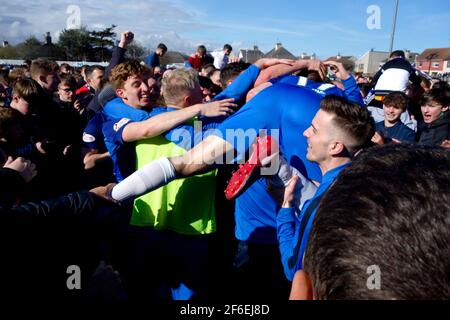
(398, 100)
(68, 80)
(27, 89)
(388, 208)
(123, 71)
(43, 67)
(440, 96)
(353, 120)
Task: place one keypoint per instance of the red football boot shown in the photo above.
(264, 149)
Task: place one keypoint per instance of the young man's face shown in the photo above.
(431, 111)
(319, 136)
(66, 93)
(95, 78)
(392, 114)
(135, 92)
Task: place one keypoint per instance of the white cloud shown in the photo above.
(151, 21)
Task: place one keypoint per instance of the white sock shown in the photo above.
(283, 176)
(304, 190)
(150, 177)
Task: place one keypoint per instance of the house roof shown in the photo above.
(280, 53)
(435, 54)
(251, 55)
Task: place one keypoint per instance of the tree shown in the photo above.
(77, 43)
(9, 52)
(103, 41)
(136, 51)
(29, 49)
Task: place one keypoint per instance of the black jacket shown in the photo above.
(435, 133)
(40, 240)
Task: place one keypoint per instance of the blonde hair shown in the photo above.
(176, 83)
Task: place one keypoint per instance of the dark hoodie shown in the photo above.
(433, 134)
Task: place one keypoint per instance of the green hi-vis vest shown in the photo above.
(185, 205)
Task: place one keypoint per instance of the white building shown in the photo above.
(370, 62)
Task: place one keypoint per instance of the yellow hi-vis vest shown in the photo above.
(186, 206)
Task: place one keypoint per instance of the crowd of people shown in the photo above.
(223, 180)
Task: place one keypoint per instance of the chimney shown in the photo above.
(255, 47)
(303, 55)
(313, 56)
(278, 46)
(338, 57)
(48, 38)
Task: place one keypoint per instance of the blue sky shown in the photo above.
(323, 27)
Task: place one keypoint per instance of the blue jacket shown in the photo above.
(288, 225)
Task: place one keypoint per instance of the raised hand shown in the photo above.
(126, 38)
(338, 69)
(289, 193)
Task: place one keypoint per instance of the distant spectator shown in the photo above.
(200, 58)
(93, 75)
(394, 75)
(221, 57)
(152, 60)
(65, 68)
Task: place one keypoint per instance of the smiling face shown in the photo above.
(320, 137)
(392, 114)
(135, 92)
